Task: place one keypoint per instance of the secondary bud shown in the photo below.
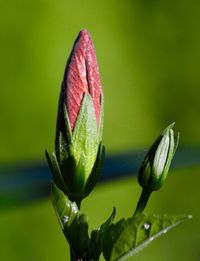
(155, 167)
(78, 150)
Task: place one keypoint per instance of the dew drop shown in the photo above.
(165, 231)
(146, 226)
(65, 219)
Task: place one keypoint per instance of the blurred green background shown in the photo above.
(149, 59)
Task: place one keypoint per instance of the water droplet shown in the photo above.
(65, 219)
(146, 226)
(165, 231)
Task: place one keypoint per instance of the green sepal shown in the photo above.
(69, 176)
(77, 180)
(145, 173)
(176, 141)
(63, 173)
(168, 160)
(67, 125)
(78, 188)
(97, 236)
(145, 170)
(95, 173)
(63, 135)
(80, 155)
(129, 236)
(173, 144)
(55, 170)
(73, 223)
(101, 119)
(63, 148)
(85, 137)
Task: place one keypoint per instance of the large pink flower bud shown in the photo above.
(78, 147)
(82, 76)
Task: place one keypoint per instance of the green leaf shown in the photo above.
(127, 237)
(73, 223)
(85, 136)
(66, 211)
(96, 242)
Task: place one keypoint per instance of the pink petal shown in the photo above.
(82, 75)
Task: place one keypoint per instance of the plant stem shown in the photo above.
(142, 202)
(73, 256)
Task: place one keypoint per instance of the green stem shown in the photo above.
(144, 197)
(73, 256)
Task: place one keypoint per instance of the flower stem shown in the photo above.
(73, 256)
(142, 202)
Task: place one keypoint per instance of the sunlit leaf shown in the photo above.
(73, 223)
(127, 237)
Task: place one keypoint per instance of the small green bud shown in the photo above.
(155, 166)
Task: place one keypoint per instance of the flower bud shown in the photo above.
(79, 154)
(155, 167)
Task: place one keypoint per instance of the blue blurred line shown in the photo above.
(20, 184)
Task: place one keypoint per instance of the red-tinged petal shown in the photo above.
(94, 83)
(82, 75)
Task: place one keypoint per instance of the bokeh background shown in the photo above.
(149, 59)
